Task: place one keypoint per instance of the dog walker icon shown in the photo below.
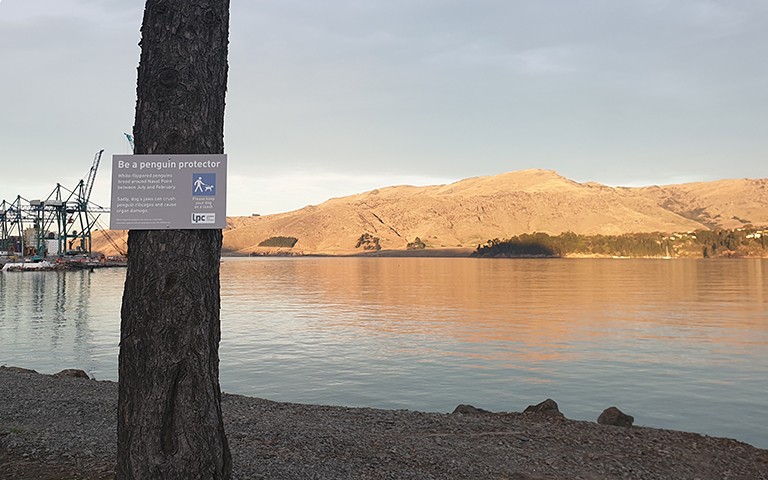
(204, 184)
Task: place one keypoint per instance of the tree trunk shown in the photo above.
(169, 412)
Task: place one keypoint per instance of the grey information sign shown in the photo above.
(158, 192)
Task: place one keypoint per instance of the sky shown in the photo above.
(337, 97)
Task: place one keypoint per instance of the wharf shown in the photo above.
(59, 264)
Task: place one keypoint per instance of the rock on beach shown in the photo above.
(548, 408)
(72, 372)
(614, 416)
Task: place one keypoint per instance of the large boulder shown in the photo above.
(469, 410)
(548, 407)
(614, 416)
(71, 372)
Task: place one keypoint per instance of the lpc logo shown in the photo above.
(203, 184)
(203, 218)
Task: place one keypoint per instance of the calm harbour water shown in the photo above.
(679, 344)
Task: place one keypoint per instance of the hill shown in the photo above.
(469, 212)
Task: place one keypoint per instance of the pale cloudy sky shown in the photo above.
(333, 97)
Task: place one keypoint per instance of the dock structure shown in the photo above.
(58, 225)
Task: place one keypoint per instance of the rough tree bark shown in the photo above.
(169, 413)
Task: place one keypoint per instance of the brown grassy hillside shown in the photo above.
(471, 211)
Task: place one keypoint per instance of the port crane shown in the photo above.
(60, 224)
(85, 211)
(13, 215)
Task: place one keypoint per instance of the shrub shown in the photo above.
(368, 242)
(285, 242)
(417, 244)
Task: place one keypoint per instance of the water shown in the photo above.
(678, 344)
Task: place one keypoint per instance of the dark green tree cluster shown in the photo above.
(284, 242)
(746, 241)
(526, 245)
(368, 242)
(628, 245)
(544, 245)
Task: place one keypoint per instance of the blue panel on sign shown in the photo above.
(203, 184)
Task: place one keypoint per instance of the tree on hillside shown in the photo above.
(169, 412)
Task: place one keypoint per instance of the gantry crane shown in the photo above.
(27, 226)
(13, 215)
(84, 210)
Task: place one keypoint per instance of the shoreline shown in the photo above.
(466, 253)
(50, 424)
(456, 252)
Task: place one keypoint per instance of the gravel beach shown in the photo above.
(62, 428)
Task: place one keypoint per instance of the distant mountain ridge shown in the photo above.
(471, 211)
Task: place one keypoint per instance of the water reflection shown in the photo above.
(47, 321)
(538, 303)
